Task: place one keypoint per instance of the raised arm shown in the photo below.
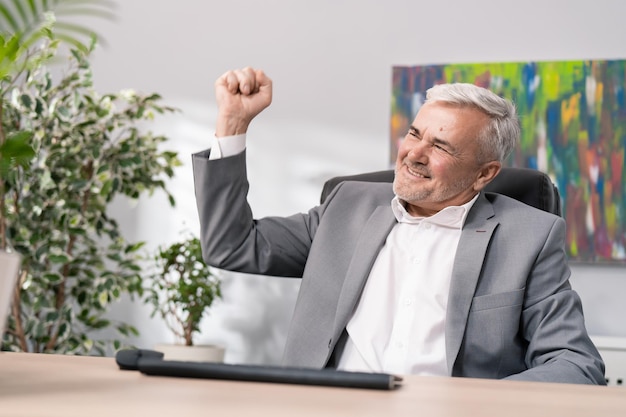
(231, 238)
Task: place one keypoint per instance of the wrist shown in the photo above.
(230, 126)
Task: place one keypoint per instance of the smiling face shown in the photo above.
(437, 162)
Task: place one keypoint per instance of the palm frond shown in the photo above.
(8, 22)
(25, 19)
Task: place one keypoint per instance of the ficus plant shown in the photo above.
(181, 287)
(24, 26)
(86, 149)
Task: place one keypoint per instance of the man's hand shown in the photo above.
(241, 95)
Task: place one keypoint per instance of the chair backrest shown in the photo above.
(529, 186)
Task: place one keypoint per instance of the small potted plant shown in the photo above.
(181, 289)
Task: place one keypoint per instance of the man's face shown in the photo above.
(437, 165)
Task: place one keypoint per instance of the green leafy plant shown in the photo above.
(87, 150)
(182, 287)
(24, 26)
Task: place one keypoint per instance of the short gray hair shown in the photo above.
(501, 135)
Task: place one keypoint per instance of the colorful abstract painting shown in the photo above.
(573, 119)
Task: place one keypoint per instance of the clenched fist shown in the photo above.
(241, 95)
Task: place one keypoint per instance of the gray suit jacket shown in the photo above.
(511, 311)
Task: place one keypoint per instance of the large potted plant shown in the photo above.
(67, 153)
(21, 26)
(181, 289)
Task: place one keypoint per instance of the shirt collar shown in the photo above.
(452, 216)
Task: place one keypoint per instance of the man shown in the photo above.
(429, 276)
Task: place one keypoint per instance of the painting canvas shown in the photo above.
(573, 120)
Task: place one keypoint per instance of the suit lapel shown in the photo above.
(371, 240)
(477, 232)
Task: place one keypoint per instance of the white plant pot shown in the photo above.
(199, 353)
(9, 268)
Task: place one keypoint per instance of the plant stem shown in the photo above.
(188, 328)
(3, 234)
(3, 221)
(17, 312)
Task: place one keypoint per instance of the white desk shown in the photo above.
(36, 385)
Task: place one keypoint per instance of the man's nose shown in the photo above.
(418, 152)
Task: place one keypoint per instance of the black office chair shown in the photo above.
(529, 186)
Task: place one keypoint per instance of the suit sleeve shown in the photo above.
(231, 238)
(559, 349)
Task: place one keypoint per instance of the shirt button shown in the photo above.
(408, 302)
(427, 226)
(415, 260)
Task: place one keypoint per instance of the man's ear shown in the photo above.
(486, 173)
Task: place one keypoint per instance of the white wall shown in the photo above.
(331, 65)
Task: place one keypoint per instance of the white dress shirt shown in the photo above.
(227, 146)
(398, 325)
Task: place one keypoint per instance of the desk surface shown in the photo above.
(56, 385)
